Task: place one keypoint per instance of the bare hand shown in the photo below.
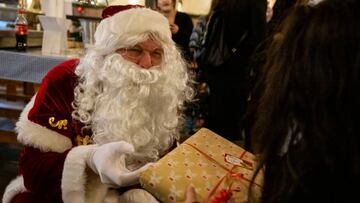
(190, 195)
(174, 28)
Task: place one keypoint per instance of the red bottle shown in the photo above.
(21, 31)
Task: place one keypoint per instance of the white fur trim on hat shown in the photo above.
(37, 136)
(130, 23)
(15, 187)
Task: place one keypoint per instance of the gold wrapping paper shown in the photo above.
(212, 164)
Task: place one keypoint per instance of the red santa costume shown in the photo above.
(101, 98)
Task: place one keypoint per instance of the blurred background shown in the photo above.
(83, 14)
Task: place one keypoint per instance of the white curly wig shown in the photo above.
(118, 100)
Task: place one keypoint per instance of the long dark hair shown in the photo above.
(307, 132)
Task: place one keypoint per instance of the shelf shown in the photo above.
(73, 17)
(86, 12)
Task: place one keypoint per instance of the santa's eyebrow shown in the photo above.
(158, 50)
(135, 47)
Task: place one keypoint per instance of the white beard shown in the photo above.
(133, 104)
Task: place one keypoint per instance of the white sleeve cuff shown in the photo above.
(74, 175)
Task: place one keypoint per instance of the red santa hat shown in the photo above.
(124, 22)
(112, 10)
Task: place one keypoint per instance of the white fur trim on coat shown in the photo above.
(15, 187)
(37, 136)
(137, 196)
(79, 184)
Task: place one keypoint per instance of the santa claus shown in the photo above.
(97, 122)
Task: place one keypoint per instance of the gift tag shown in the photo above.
(231, 159)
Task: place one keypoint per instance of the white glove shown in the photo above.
(108, 161)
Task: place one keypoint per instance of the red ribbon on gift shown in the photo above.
(224, 195)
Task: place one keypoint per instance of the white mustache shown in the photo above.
(131, 71)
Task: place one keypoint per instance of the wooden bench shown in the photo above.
(16, 90)
(13, 97)
(10, 110)
(7, 136)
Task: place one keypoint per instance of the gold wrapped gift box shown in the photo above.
(217, 168)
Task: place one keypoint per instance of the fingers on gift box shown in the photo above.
(218, 169)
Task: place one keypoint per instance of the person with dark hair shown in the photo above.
(199, 30)
(197, 111)
(181, 25)
(96, 123)
(244, 29)
(307, 129)
(197, 36)
(281, 9)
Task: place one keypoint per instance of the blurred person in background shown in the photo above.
(245, 28)
(198, 110)
(275, 18)
(281, 9)
(181, 25)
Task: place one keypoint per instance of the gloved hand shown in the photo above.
(108, 160)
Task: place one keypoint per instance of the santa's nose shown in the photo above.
(145, 60)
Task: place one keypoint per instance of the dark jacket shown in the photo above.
(182, 37)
